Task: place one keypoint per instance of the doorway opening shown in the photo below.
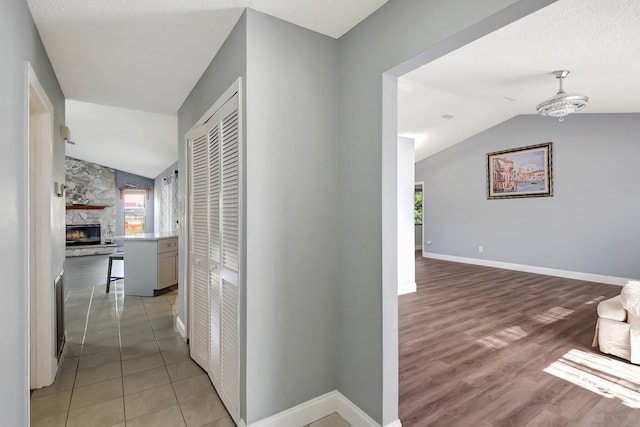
(390, 174)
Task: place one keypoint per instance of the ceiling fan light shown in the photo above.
(562, 104)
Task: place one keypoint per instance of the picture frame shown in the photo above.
(520, 172)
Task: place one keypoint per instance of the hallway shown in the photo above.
(124, 362)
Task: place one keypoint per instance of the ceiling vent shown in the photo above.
(562, 104)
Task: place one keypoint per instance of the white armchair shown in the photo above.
(618, 325)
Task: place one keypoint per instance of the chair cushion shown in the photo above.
(612, 309)
(630, 297)
(613, 338)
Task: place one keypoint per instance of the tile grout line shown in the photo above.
(99, 309)
(86, 324)
(124, 406)
(164, 362)
(75, 375)
(215, 391)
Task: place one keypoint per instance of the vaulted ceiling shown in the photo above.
(117, 60)
(148, 54)
(508, 72)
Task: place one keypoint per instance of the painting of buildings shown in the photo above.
(520, 172)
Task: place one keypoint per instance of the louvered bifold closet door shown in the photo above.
(231, 186)
(199, 247)
(215, 250)
(231, 190)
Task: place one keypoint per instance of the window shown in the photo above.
(135, 211)
(417, 206)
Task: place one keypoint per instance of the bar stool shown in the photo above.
(114, 256)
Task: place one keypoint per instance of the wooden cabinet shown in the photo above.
(150, 265)
(168, 267)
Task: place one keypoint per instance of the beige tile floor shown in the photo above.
(125, 365)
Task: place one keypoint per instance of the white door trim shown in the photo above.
(41, 322)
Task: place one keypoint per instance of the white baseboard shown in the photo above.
(350, 412)
(589, 277)
(319, 407)
(407, 288)
(418, 247)
(302, 414)
(181, 328)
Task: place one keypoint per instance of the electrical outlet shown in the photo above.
(480, 248)
(427, 242)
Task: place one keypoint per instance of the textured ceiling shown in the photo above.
(148, 54)
(508, 72)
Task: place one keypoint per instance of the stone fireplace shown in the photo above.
(91, 207)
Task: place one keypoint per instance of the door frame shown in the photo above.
(41, 321)
(389, 246)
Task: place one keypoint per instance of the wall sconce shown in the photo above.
(65, 133)
(59, 189)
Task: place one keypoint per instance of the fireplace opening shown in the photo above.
(85, 234)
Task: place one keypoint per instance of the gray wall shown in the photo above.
(291, 169)
(310, 128)
(20, 42)
(418, 235)
(291, 181)
(123, 178)
(226, 67)
(590, 224)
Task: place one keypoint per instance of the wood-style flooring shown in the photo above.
(483, 346)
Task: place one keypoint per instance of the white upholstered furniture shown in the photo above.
(618, 325)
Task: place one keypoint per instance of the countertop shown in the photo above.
(148, 236)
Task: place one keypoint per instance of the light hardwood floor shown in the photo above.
(482, 346)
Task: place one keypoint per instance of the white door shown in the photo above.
(230, 226)
(215, 196)
(199, 246)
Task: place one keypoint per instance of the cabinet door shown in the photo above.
(167, 269)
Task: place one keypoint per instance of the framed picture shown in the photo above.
(520, 172)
